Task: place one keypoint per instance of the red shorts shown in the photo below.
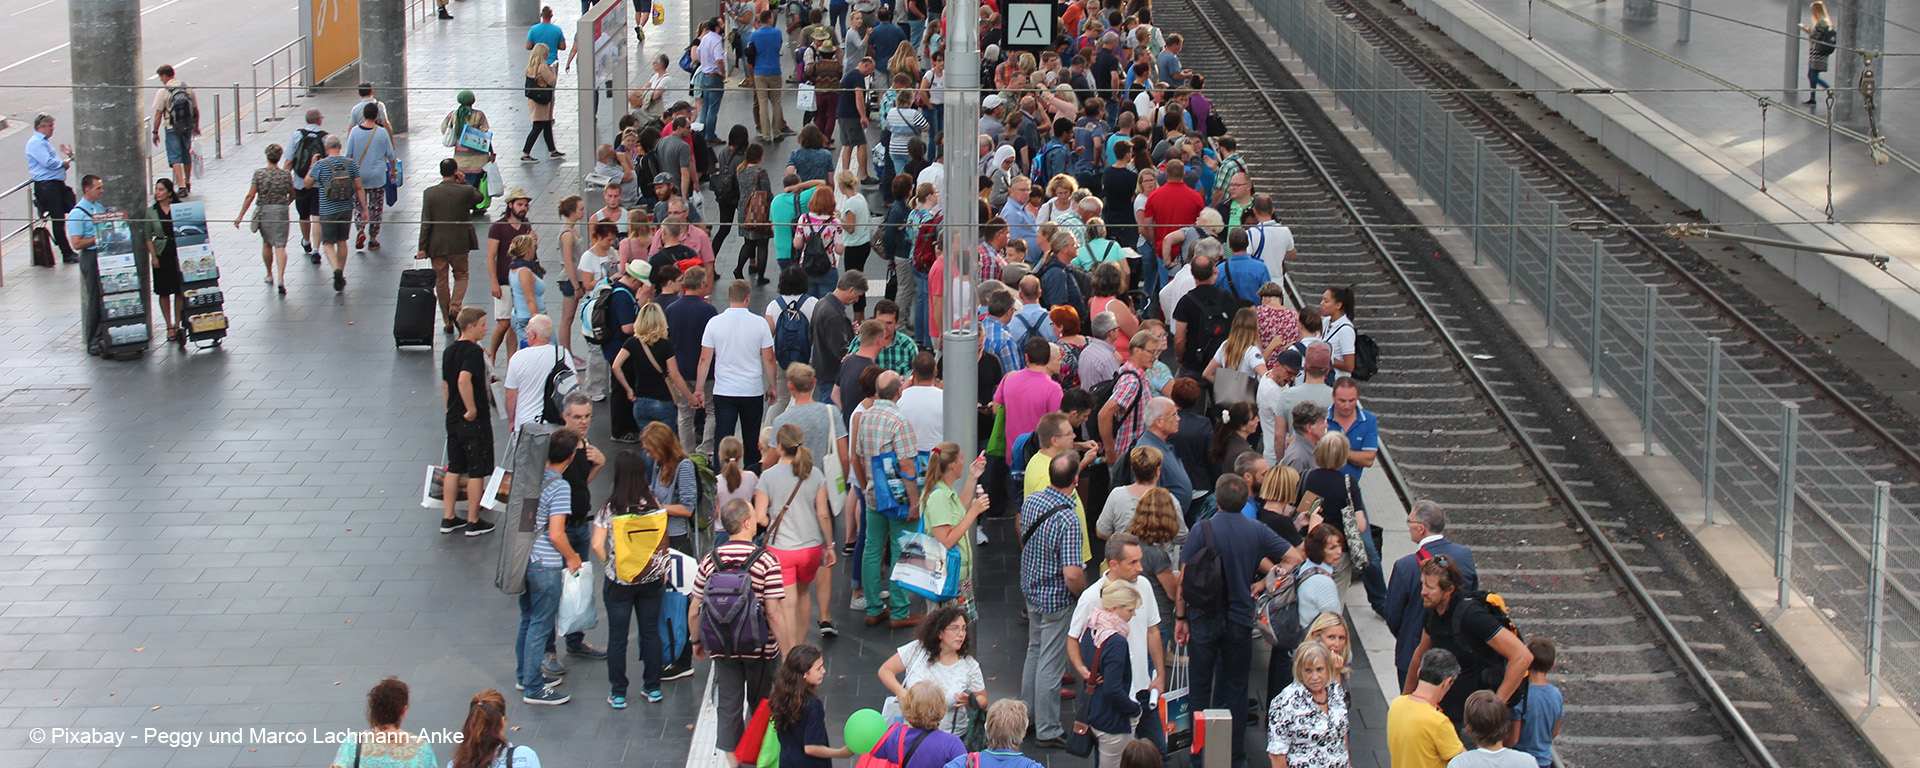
(797, 566)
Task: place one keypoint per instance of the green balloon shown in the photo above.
(863, 731)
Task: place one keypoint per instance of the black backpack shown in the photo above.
(1203, 583)
(792, 338)
(814, 257)
(1493, 666)
(537, 92)
(1366, 357)
(1823, 40)
(182, 115)
(1215, 323)
(311, 143)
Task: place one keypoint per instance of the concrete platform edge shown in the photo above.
(1694, 171)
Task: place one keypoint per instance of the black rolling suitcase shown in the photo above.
(413, 313)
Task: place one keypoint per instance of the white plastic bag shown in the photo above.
(576, 602)
(496, 185)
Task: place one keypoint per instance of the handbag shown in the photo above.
(1356, 553)
(1080, 739)
(976, 727)
(451, 136)
(889, 491)
(836, 474)
(1232, 386)
(927, 567)
(807, 100)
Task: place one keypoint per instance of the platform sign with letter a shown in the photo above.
(1029, 26)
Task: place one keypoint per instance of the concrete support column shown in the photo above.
(521, 13)
(1641, 11)
(383, 55)
(109, 136)
(1862, 25)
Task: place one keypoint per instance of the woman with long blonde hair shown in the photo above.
(904, 61)
(792, 498)
(1821, 37)
(540, 81)
(1241, 352)
(645, 370)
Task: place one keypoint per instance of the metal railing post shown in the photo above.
(256, 100)
(1513, 228)
(1876, 591)
(1420, 142)
(236, 114)
(1593, 323)
(1479, 154)
(273, 84)
(1783, 530)
(1553, 251)
(1646, 376)
(218, 142)
(1713, 425)
(1446, 158)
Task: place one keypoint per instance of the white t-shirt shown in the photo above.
(806, 308)
(591, 263)
(1249, 362)
(1340, 335)
(1267, 398)
(1140, 631)
(923, 407)
(854, 206)
(935, 174)
(1269, 242)
(960, 677)
(527, 374)
(1176, 289)
(736, 337)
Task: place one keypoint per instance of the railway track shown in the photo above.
(1661, 661)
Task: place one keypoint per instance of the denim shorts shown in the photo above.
(566, 288)
(179, 147)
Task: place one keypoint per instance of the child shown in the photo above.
(734, 481)
(1536, 722)
(799, 717)
(1487, 725)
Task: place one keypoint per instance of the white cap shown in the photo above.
(991, 102)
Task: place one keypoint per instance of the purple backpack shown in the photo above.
(733, 620)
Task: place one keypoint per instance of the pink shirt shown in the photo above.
(1026, 395)
(696, 238)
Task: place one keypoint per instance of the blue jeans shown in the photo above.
(915, 28)
(179, 147)
(647, 410)
(712, 87)
(819, 287)
(922, 328)
(936, 116)
(639, 603)
(1221, 657)
(539, 607)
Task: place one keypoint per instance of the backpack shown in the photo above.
(1215, 127)
(924, 238)
(792, 339)
(1216, 321)
(733, 618)
(1032, 332)
(311, 143)
(753, 212)
(814, 257)
(1203, 583)
(1091, 136)
(1277, 613)
(182, 115)
(537, 92)
(632, 563)
(339, 182)
(1044, 171)
(703, 161)
(707, 488)
(1366, 357)
(1823, 41)
(1492, 664)
(596, 313)
(561, 381)
(725, 177)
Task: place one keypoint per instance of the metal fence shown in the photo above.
(1722, 418)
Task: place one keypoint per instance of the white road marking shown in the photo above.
(63, 46)
(29, 8)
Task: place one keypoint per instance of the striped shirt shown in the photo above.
(556, 498)
(766, 582)
(998, 340)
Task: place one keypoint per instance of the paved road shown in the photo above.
(206, 40)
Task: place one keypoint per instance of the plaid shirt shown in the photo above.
(992, 264)
(896, 357)
(1055, 545)
(883, 428)
(997, 339)
(1132, 418)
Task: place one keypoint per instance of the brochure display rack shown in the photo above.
(122, 309)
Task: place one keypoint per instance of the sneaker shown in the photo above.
(360, 242)
(339, 280)
(617, 702)
(479, 528)
(586, 651)
(444, 16)
(827, 629)
(313, 255)
(675, 671)
(547, 696)
(552, 666)
(859, 603)
(869, 182)
(556, 155)
(1057, 742)
(528, 159)
(451, 524)
(599, 397)
(627, 438)
(653, 696)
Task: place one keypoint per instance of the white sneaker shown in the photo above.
(859, 603)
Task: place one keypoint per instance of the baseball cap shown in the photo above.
(662, 178)
(1290, 359)
(991, 102)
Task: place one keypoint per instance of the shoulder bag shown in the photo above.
(1080, 739)
(1356, 547)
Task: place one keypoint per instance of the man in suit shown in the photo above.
(447, 237)
(1404, 612)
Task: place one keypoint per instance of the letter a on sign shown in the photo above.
(1029, 25)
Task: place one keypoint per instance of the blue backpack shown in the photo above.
(1031, 331)
(791, 338)
(1048, 164)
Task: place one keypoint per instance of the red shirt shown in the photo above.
(1172, 206)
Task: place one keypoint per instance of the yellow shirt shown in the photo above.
(1037, 479)
(1419, 735)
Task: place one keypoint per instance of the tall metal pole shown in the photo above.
(1876, 591)
(1593, 323)
(1513, 229)
(383, 56)
(1713, 426)
(1479, 157)
(1783, 531)
(1790, 59)
(107, 125)
(961, 235)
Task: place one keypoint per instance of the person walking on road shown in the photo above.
(272, 188)
(176, 113)
(52, 197)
